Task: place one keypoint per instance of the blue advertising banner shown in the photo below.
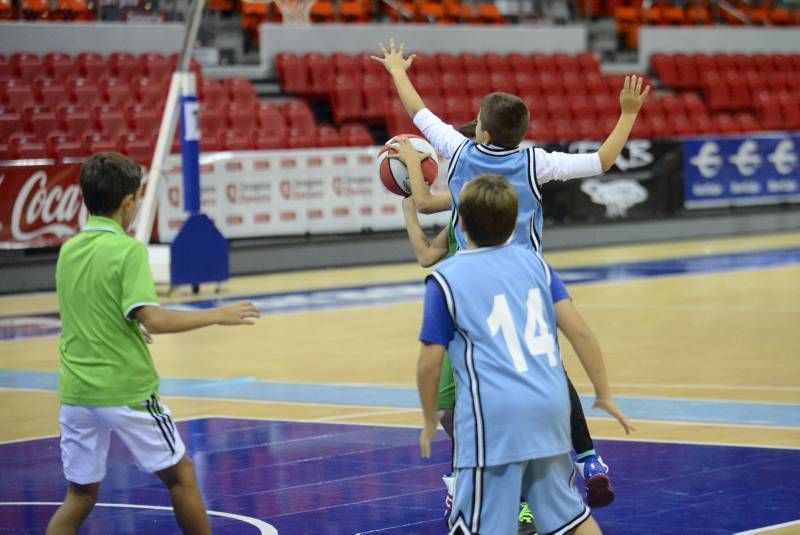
(739, 171)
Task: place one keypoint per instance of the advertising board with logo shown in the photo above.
(740, 171)
(643, 183)
(40, 206)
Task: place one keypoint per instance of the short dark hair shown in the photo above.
(505, 117)
(106, 179)
(468, 130)
(488, 209)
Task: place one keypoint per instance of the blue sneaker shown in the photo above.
(599, 491)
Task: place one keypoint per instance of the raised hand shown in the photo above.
(239, 313)
(632, 97)
(611, 407)
(393, 58)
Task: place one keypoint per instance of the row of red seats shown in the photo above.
(366, 100)
(629, 18)
(61, 146)
(736, 92)
(20, 94)
(684, 71)
(58, 65)
(245, 116)
(313, 74)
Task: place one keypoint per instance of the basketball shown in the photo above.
(394, 173)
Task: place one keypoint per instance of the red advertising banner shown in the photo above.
(40, 205)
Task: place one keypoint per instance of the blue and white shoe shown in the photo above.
(599, 492)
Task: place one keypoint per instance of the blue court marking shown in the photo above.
(305, 477)
(250, 388)
(33, 325)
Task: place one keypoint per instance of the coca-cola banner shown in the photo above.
(40, 206)
(276, 193)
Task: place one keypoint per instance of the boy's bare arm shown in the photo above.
(631, 99)
(425, 201)
(158, 320)
(397, 66)
(429, 367)
(587, 348)
(427, 252)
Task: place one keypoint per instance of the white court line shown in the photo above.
(700, 386)
(263, 527)
(769, 528)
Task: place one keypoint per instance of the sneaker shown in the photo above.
(449, 482)
(527, 524)
(599, 491)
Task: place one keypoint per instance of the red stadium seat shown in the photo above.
(211, 142)
(374, 96)
(565, 63)
(212, 93)
(582, 107)
(242, 115)
(292, 73)
(448, 63)
(458, 110)
(497, 63)
(17, 94)
(724, 124)
(83, 91)
(747, 122)
(67, 148)
(212, 121)
(58, 65)
(588, 63)
(521, 63)
(110, 120)
(236, 139)
(526, 83)
(27, 66)
(299, 138)
(328, 136)
(91, 65)
(144, 119)
(472, 63)
(74, 119)
(346, 65)
(503, 81)
(320, 74)
(240, 89)
(356, 135)
(124, 65)
(269, 116)
(40, 120)
(115, 91)
(49, 91)
(478, 84)
(137, 147)
(149, 91)
(346, 100)
(544, 63)
(298, 115)
(268, 139)
(10, 122)
(155, 65)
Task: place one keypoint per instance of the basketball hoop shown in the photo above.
(295, 12)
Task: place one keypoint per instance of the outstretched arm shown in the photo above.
(427, 252)
(397, 66)
(631, 99)
(589, 353)
(159, 320)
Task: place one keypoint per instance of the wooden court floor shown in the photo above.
(730, 336)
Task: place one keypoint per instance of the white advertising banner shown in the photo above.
(294, 192)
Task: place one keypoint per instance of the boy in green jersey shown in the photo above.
(107, 381)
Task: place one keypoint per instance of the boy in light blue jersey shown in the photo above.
(501, 125)
(491, 307)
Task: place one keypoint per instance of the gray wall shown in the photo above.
(82, 37)
(430, 39)
(715, 39)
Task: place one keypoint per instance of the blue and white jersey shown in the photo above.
(511, 392)
(519, 167)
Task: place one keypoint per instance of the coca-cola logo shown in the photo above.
(38, 211)
(230, 191)
(286, 189)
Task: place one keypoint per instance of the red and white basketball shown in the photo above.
(394, 173)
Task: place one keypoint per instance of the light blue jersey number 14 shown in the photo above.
(538, 345)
